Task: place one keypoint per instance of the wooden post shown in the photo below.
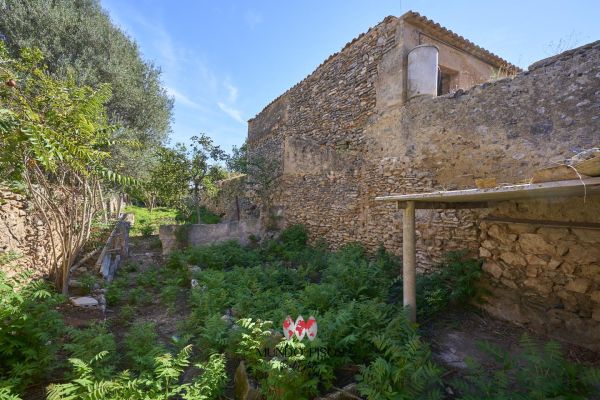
(409, 269)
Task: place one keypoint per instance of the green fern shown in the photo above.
(535, 373)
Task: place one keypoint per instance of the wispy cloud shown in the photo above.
(231, 89)
(252, 18)
(184, 100)
(206, 97)
(232, 112)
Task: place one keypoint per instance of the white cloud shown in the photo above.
(232, 112)
(252, 18)
(231, 89)
(183, 99)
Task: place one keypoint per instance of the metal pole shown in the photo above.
(409, 269)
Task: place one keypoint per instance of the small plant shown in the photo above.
(139, 297)
(115, 291)
(146, 230)
(403, 368)
(126, 314)
(148, 279)
(455, 282)
(142, 346)
(280, 378)
(214, 336)
(169, 293)
(130, 266)
(85, 343)
(8, 256)
(160, 383)
(88, 281)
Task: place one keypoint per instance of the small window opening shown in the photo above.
(447, 81)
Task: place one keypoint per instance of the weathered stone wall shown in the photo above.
(233, 200)
(333, 104)
(334, 164)
(543, 276)
(175, 237)
(21, 232)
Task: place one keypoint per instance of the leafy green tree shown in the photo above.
(53, 137)
(79, 40)
(168, 181)
(204, 156)
(238, 160)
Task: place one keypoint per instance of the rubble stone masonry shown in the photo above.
(22, 234)
(341, 144)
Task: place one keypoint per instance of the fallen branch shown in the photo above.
(84, 259)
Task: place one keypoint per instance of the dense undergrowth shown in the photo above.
(238, 299)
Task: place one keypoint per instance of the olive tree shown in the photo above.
(79, 40)
(54, 136)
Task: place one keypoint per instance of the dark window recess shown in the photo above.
(447, 81)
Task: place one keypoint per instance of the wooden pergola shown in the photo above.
(468, 199)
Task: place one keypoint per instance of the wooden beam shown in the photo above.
(542, 222)
(431, 205)
(576, 187)
(409, 267)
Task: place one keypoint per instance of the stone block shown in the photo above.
(501, 234)
(587, 235)
(583, 254)
(534, 260)
(595, 296)
(492, 268)
(513, 259)
(531, 271)
(533, 243)
(508, 283)
(590, 271)
(484, 253)
(541, 285)
(567, 268)
(553, 235)
(553, 264)
(578, 285)
(488, 244)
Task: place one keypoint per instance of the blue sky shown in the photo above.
(223, 62)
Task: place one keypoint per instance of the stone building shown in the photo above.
(352, 130)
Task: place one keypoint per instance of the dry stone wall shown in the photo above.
(233, 201)
(22, 234)
(544, 276)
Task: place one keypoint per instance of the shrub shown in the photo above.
(126, 314)
(30, 330)
(222, 255)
